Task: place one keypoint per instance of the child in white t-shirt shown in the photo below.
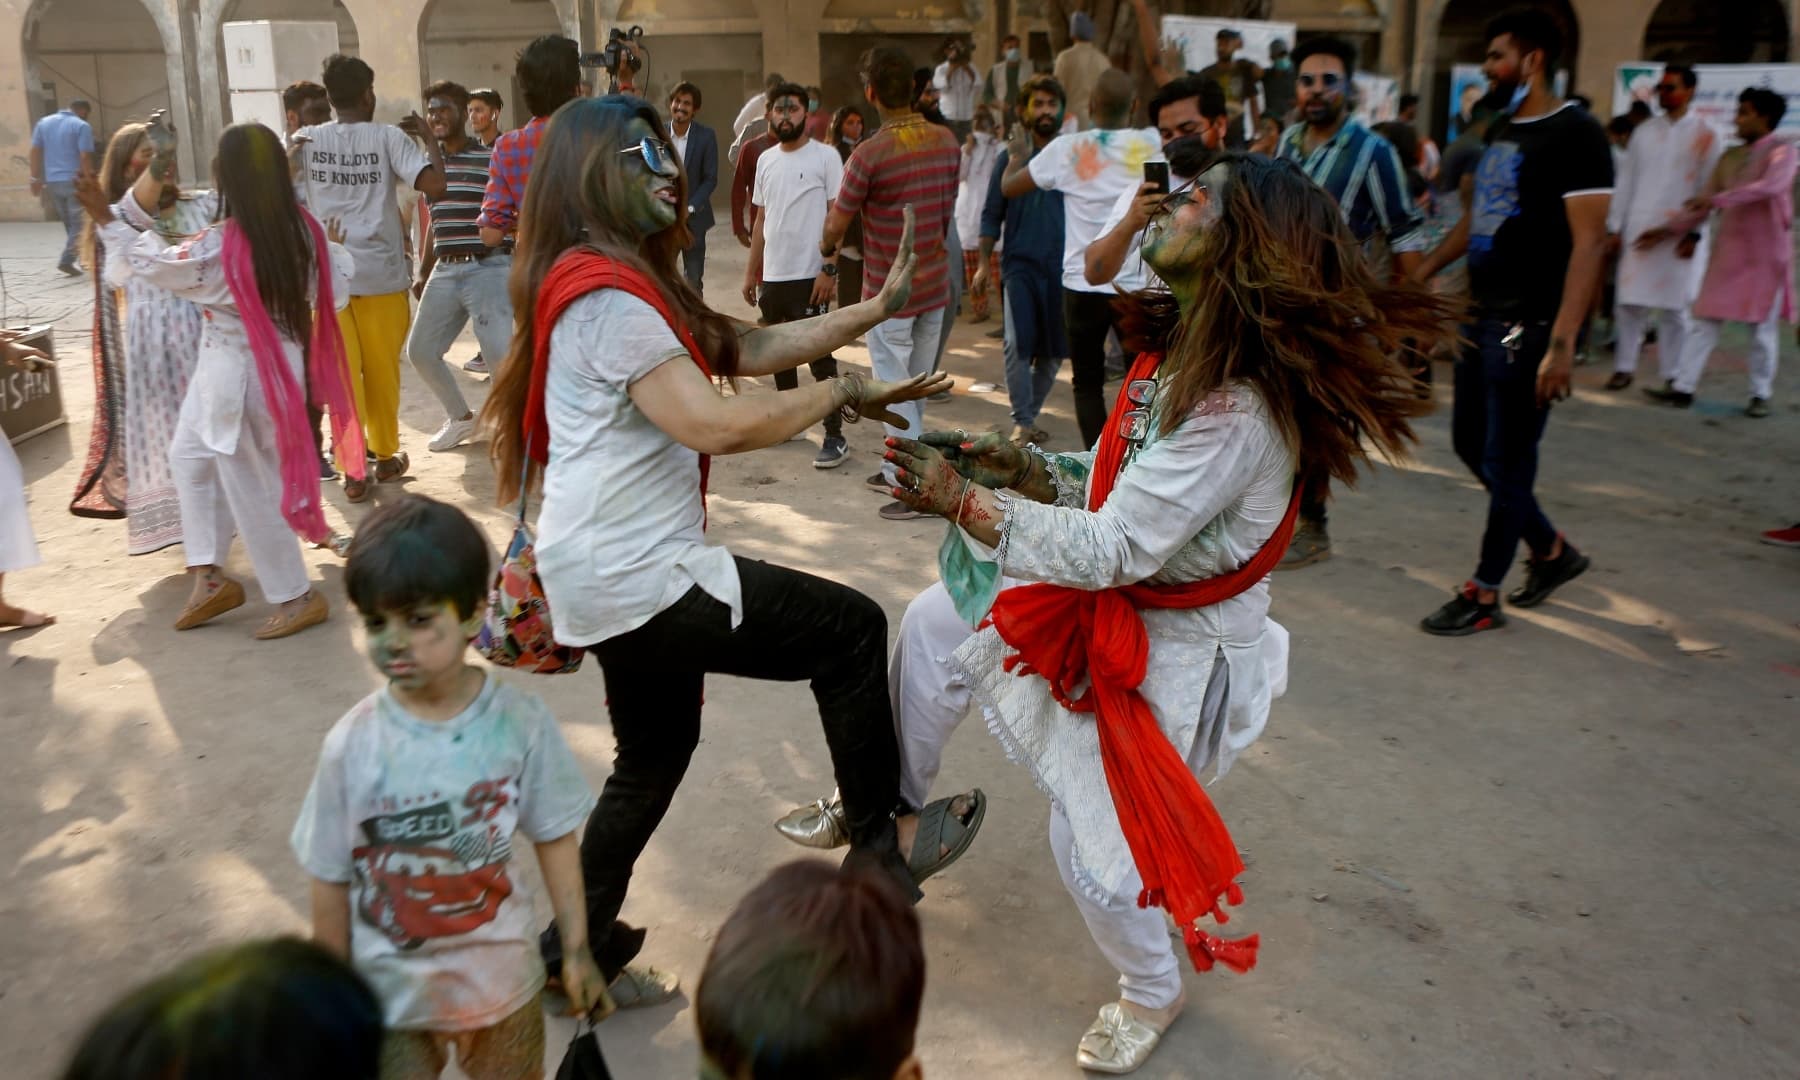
(407, 829)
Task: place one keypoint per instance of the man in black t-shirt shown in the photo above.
(1536, 239)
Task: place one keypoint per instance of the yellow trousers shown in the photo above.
(374, 329)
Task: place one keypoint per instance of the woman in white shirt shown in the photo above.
(609, 394)
(1130, 645)
(242, 453)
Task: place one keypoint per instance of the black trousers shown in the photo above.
(791, 301)
(1089, 317)
(795, 627)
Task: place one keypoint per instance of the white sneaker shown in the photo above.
(454, 433)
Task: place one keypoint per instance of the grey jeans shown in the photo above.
(62, 196)
(455, 294)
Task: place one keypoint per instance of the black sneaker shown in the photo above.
(1758, 408)
(326, 472)
(1545, 576)
(1311, 544)
(1620, 380)
(1463, 615)
(1668, 395)
(833, 453)
(878, 482)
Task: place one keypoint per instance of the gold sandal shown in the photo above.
(1117, 1042)
(315, 612)
(227, 596)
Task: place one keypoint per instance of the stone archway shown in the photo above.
(110, 53)
(475, 43)
(1707, 32)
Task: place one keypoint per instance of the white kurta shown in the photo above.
(18, 547)
(195, 271)
(1666, 164)
(1195, 504)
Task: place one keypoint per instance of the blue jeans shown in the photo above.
(62, 196)
(1495, 425)
(1029, 380)
(455, 293)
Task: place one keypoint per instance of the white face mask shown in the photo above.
(1012, 56)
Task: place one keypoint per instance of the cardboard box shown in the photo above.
(31, 402)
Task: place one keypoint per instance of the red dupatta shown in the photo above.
(1183, 852)
(577, 272)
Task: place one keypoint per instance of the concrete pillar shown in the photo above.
(1612, 33)
(387, 36)
(16, 200)
(167, 14)
(213, 118)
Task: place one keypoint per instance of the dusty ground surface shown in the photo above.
(1562, 849)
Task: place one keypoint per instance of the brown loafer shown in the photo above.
(392, 468)
(315, 612)
(227, 596)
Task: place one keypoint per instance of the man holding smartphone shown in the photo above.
(1189, 112)
(796, 186)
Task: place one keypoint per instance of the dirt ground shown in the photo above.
(1562, 849)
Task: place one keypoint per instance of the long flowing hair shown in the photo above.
(1285, 302)
(256, 194)
(578, 180)
(115, 178)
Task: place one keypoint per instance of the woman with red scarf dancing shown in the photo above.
(609, 396)
(1122, 594)
(242, 453)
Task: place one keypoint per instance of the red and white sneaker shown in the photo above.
(1783, 537)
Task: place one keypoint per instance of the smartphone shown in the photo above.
(1157, 172)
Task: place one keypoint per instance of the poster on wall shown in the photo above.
(1715, 98)
(1377, 98)
(1467, 83)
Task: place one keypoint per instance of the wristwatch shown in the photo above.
(829, 269)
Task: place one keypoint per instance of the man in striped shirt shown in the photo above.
(1362, 171)
(908, 162)
(461, 278)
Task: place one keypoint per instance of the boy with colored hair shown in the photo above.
(407, 829)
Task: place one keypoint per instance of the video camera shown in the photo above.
(616, 58)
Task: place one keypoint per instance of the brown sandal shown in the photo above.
(389, 469)
(279, 625)
(227, 596)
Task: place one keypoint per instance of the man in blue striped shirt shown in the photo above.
(1362, 171)
(460, 277)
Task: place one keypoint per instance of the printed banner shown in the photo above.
(1715, 99)
(1467, 85)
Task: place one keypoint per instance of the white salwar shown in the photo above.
(1667, 163)
(1195, 504)
(18, 547)
(224, 457)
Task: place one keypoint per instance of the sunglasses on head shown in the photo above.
(656, 153)
(1331, 80)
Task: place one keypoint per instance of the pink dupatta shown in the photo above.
(328, 375)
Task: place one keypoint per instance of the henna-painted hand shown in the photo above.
(897, 289)
(991, 460)
(878, 395)
(926, 480)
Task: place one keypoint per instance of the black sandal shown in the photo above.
(939, 829)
